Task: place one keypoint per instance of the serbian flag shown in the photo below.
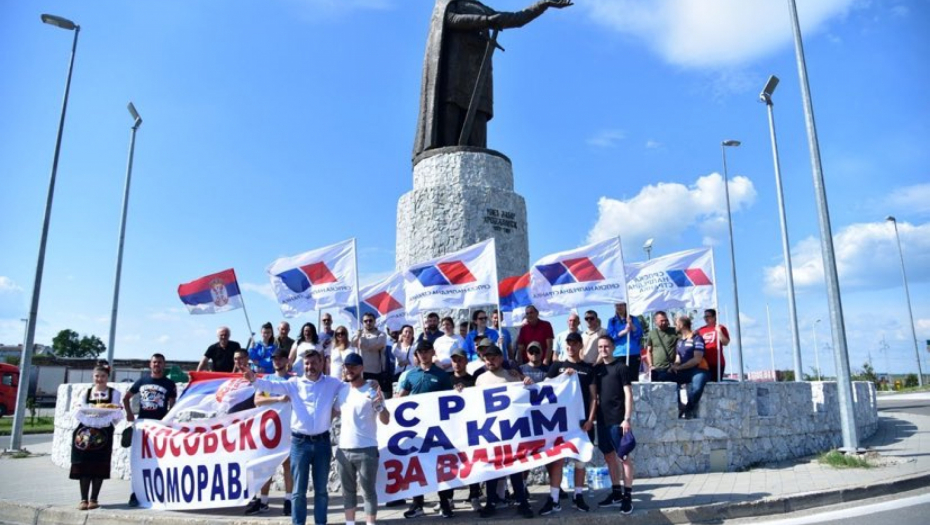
(679, 280)
(592, 274)
(210, 394)
(460, 279)
(321, 278)
(385, 301)
(214, 293)
(514, 293)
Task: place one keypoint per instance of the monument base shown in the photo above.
(462, 196)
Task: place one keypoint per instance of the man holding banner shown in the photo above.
(627, 332)
(312, 398)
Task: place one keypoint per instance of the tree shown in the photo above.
(69, 343)
(813, 376)
(910, 381)
(785, 375)
(866, 374)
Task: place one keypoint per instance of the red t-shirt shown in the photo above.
(538, 333)
(710, 345)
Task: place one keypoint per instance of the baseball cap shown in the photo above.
(280, 353)
(459, 352)
(573, 337)
(493, 350)
(627, 444)
(534, 344)
(353, 360)
(485, 342)
(424, 345)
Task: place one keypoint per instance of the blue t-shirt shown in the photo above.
(617, 325)
(687, 347)
(473, 335)
(419, 381)
(260, 354)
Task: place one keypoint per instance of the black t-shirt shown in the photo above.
(609, 379)
(154, 395)
(585, 373)
(466, 381)
(222, 357)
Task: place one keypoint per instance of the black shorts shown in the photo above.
(604, 444)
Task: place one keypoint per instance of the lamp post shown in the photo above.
(907, 293)
(817, 351)
(726, 188)
(137, 121)
(647, 247)
(835, 304)
(26, 360)
(766, 97)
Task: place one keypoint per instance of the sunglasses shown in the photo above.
(341, 334)
(590, 318)
(482, 318)
(368, 321)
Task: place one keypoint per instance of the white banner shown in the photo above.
(679, 280)
(592, 274)
(219, 462)
(321, 278)
(461, 279)
(384, 300)
(444, 440)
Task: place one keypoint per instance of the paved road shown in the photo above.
(28, 439)
(916, 403)
(912, 508)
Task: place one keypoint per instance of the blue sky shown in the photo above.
(274, 127)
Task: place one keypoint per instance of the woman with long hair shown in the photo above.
(404, 352)
(308, 339)
(92, 441)
(339, 349)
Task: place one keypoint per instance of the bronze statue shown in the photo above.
(456, 97)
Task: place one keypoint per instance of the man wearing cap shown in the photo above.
(361, 406)
(537, 330)
(312, 397)
(481, 331)
(497, 375)
(427, 378)
(461, 380)
(534, 367)
(614, 428)
(559, 350)
(573, 365)
(282, 367)
(627, 333)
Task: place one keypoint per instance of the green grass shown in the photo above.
(837, 459)
(43, 425)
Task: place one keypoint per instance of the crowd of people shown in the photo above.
(335, 373)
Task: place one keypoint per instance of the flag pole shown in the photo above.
(713, 272)
(358, 306)
(244, 311)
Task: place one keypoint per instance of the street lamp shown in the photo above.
(817, 351)
(25, 363)
(648, 249)
(835, 304)
(137, 121)
(907, 293)
(766, 97)
(726, 188)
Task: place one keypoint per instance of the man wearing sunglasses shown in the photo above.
(372, 345)
(589, 337)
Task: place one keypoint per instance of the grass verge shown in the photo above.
(42, 425)
(837, 459)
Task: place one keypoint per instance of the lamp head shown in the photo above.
(58, 21)
(648, 244)
(768, 90)
(890, 218)
(135, 115)
(731, 143)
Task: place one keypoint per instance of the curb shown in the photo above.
(13, 513)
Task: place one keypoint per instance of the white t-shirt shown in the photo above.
(403, 357)
(443, 346)
(358, 419)
(337, 359)
(298, 368)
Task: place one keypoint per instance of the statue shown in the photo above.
(456, 97)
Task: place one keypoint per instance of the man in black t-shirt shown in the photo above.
(220, 353)
(573, 364)
(615, 408)
(157, 394)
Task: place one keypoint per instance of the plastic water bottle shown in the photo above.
(568, 477)
(376, 404)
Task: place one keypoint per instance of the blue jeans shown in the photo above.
(695, 378)
(310, 453)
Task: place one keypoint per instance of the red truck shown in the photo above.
(9, 382)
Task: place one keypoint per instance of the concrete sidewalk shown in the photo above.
(33, 491)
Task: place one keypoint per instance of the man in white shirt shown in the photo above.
(361, 406)
(560, 349)
(312, 399)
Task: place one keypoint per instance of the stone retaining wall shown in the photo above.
(738, 425)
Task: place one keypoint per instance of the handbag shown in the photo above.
(126, 439)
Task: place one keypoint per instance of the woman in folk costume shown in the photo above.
(96, 411)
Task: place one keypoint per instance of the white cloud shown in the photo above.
(701, 205)
(8, 286)
(653, 144)
(746, 321)
(911, 199)
(712, 33)
(866, 258)
(608, 138)
(163, 339)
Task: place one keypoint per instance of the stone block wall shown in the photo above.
(738, 425)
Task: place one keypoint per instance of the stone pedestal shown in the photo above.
(461, 196)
